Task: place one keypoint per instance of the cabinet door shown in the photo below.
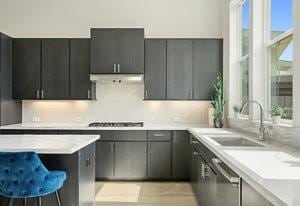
(104, 160)
(155, 69)
(159, 159)
(87, 176)
(55, 69)
(26, 68)
(181, 155)
(131, 160)
(207, 64)
(179, 69)
(130, 51)
(251, 197)
(104, 48)
(80, 84)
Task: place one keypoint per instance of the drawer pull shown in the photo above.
(88, 162)
(158, 135)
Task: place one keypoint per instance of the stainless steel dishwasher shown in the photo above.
(214, 183)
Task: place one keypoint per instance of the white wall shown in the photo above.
(74, 18)
(117, 102)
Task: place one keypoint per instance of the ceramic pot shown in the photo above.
(276, 119)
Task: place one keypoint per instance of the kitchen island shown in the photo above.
(74, 154)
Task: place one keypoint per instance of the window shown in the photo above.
(280, 56)
(244, 54)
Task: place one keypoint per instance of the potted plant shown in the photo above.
(218, 102)
(276, 113)
(236, 110)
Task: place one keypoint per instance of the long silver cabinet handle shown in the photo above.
(115, 68)
(37, 94)
(42, 95)
(119, 68)
(233, 180)
(89, 94)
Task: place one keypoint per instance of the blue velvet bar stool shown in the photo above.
(23, 175)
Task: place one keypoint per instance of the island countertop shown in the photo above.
(46, 144)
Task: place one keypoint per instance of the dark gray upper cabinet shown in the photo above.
(55, 69)
(103, 51)
(179, 69)
(207, 63)
(80, 85)
(130, 51)
(10, 110)
(155, 69)
(159, 160)
(117, 51)
(26, 68)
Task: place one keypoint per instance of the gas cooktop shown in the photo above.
(116, 124)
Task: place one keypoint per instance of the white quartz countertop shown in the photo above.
(46, 144)
(51, 126)
(272, 172)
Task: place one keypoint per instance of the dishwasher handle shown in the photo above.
(233, 180)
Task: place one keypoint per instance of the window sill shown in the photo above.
(284, 122)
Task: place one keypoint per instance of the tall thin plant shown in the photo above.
(218, 102)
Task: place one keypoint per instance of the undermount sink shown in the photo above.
(235, 142)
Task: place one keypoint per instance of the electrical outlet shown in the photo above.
(36, 119)
(78, 119)
(177, 119)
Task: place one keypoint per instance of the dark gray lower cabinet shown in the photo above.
(180, 155)
(130, 160)
(105, 153)
(159, 160)
(251, 197)
(79, 187)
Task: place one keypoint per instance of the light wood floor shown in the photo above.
(144, 194)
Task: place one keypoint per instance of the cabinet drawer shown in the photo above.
(120, 136)
(159, 136)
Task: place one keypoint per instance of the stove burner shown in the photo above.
(116, 124)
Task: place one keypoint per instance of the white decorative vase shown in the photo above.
(237, 115)
(276, 119)
(211, 117)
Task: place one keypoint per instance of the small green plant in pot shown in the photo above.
(276, 113)
(218, 102)
(236, 110)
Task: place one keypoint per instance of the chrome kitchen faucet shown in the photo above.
(262, 129)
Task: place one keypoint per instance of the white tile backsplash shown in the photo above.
(117, 102)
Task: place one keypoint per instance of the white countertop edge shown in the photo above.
(175, 126)
(237, 167)
(91, 139)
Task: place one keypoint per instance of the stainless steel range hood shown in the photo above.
(117, 78)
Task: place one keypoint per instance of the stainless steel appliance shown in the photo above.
(214, 183)
(116, 124)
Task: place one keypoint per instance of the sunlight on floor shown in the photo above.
(119, 192)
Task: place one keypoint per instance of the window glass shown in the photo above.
(245, 27)
(281, 66)
(281, 16)
(244, 83)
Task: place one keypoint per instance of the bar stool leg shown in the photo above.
(39, 201)
(10, 202)
(25, 201)
(57, 198)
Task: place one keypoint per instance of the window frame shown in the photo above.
(242, 58)
(269, 43)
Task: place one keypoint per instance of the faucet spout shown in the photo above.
(262, 129)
